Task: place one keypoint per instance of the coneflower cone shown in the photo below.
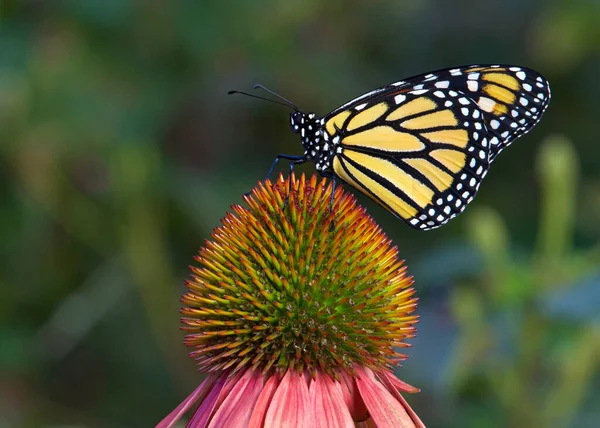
(296, 315)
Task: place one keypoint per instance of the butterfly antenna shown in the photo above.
(263, 98)
(291, 104)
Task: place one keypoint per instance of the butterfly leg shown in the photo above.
(333, 186)
(294, 160)
(291, 158)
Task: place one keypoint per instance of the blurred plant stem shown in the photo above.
(467, 306)
(489, 233)
(557, 169)
(135, 170)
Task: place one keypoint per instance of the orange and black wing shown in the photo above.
(422, 146)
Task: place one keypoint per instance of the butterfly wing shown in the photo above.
(512, 100)
(421, 147)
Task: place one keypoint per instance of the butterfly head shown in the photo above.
(316, 149)
(305, 124)
(297, 120)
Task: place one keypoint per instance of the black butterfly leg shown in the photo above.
(293, 159)
(333, 186)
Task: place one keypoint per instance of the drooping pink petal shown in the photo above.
(352, 397)
(264, 401)
(328, 407)
(171, 419)
(236, 409)
(388, 380)
(231, 382)
(204, 412)
(385, 410)
(398, 384)
(290, 404)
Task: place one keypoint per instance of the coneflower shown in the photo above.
(296, 315)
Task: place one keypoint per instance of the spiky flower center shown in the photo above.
(293, 282)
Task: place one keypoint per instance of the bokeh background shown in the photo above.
(120, 151)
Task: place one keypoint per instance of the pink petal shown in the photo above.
(384, 408)
(388, 380)
(402, 386)
(236, 409)
(187, 404)
(207, 407)
(366, 424)
(290, 404)
(352, 397)
(329, 408)
(231, 382)
(262, 404)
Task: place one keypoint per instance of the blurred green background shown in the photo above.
(120, 151)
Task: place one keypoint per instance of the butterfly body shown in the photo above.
(420, 147)
(317, 144)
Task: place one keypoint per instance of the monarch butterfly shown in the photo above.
(420, 147)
